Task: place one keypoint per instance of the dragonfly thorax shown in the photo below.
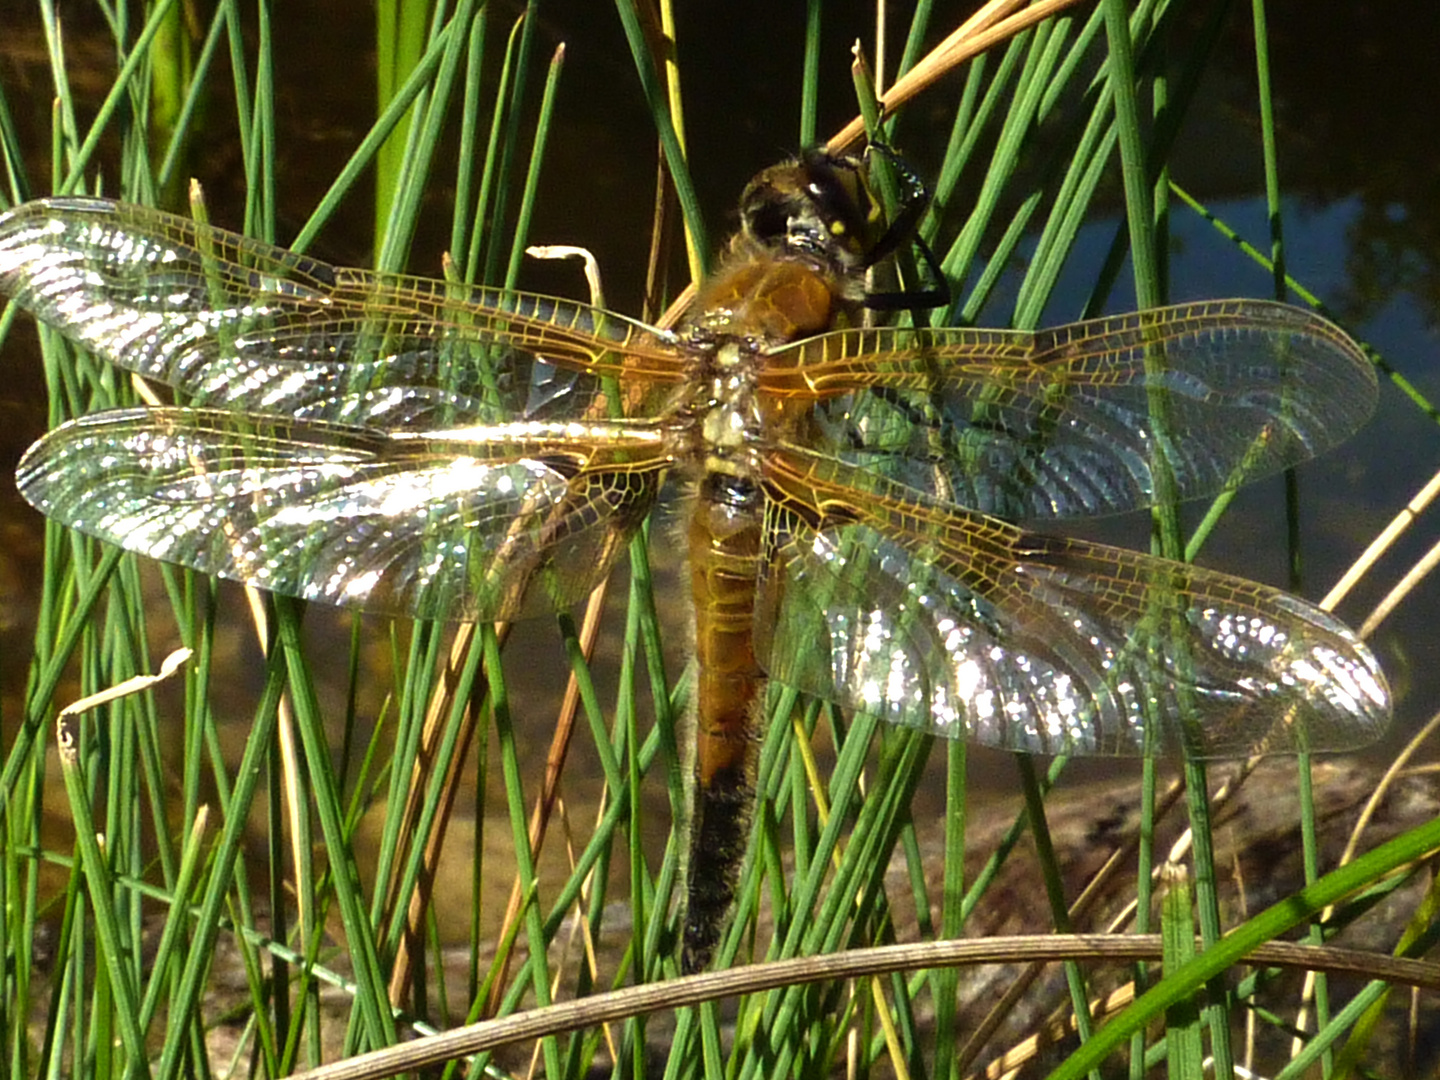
(727, 406)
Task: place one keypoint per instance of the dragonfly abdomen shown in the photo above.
(724, 539)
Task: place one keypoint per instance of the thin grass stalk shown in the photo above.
(666, 698)
(786, 1012)
(208, 918)
(594, 851)
(146, 788)
(198, 86)
(469, 129)
(919, 889)
(369, 147)
(1144, 866)
(353, 669)
(1019, 120)
(540, 135)
(810, 75)
(802, 837)
(976, 1040)
(433, 811)
(895, 1015)
(442, 1010)
(376, 1023)
(65, 130)
(76, 746)
(62, 990)
(1184, 1047)
(405, 769)
(764, 864)
(431, 106)
(824, 931)
(1270, 155)
(286, 806)
(794, 1006)
(13, 161)
(485, 219)
(425, 822)
(1050, 874)
(915, 38)
(205, 742)
(1317, 982)
(1207, 897)
(611, 745)
(663, 739)
(399, 43)
(964, 134)
(481, 776)
(240, 81)
(67, 993)
(1139, 203)
(67, 641)
(113, 992)
(696, 258)
(1093, 154)
(670, 143)
(1344, 1021)
(623, 742)
(956, 261)
(643, 912)
(1181, 91)
(260, 207)
(537, 940)
(134, 165)
(1140, 216)
(417, 763)
(509, 143)
(1192, 977)
(276, 985)
(198, 634)
(945, 985)
(19, 888)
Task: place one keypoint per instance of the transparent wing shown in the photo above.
(892, 604)
(471, 524)
(1088, 418)
(243, 325)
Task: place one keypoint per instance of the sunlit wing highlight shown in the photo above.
(477, 524)
(235, 323)
(928, 615)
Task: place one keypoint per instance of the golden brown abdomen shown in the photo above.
(724, 562)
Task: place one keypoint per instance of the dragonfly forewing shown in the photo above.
(232, 322)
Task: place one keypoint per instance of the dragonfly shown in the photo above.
(421, 448)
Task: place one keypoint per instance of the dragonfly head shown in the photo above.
(818, 207)
(821, 209)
